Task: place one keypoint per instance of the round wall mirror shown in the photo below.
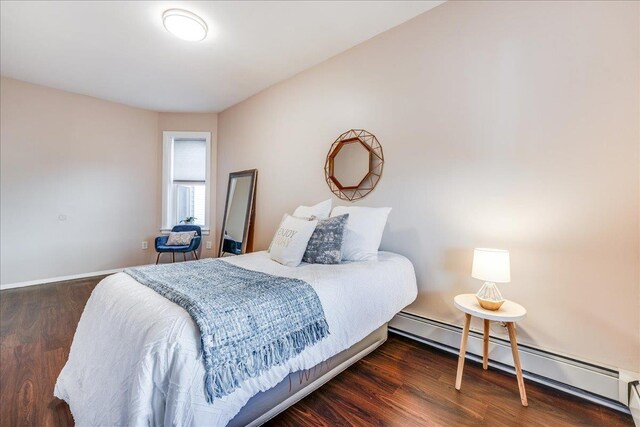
(354, 164)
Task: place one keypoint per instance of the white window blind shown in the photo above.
(189, 160)
(185, 178)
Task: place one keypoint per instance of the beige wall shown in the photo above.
(95, 162)
(504, 124)
(197, 122)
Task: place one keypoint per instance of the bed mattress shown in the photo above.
(135, 358)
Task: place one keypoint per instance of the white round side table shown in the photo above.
(509, 313)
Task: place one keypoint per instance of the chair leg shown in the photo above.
(173, 257)
(184, 256)
(195, 255)
(158, 258)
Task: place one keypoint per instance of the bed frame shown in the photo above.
(267, 404)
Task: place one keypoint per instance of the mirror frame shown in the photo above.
(376, 163)
(247, 238)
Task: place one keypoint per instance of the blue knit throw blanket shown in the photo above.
(249, 321)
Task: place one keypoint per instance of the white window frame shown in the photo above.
(167, 179)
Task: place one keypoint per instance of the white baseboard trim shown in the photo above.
(588, 381)
(58, 279)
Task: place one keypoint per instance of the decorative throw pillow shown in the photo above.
(320, 211)
(182, 238)
(290, 241)
(281, 221)
(325, 244)
(363, 232)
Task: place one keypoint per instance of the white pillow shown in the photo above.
(291, 239)
(320, 211)
(363, 232)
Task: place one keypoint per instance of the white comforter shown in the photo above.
(135, 358)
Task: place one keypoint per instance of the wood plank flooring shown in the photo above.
(403, 383)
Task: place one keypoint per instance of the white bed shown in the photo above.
(135, 355)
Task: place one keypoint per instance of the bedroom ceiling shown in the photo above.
(121, 52)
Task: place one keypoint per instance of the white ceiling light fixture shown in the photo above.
(185, 25)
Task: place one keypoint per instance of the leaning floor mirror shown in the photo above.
(237, 224)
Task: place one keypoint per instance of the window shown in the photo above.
(186, 178)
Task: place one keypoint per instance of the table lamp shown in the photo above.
(492, 266)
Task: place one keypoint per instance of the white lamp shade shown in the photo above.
(491, 265)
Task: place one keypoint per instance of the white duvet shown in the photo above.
(135, 358)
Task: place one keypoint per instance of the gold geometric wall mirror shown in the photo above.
(354, 164)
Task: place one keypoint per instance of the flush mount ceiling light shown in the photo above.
(184, 24)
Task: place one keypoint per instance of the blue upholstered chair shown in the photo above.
(161, 243)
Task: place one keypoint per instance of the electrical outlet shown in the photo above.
(144, 245)
(208, 244)
(499, 329)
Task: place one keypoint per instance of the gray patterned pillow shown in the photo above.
(325, 245)
(182, 238)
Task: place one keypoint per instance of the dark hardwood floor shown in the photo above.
(403, 383)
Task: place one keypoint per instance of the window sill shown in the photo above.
(205, 231)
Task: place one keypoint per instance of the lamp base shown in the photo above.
(489, 297)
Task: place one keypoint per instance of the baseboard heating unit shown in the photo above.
(595, 383)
